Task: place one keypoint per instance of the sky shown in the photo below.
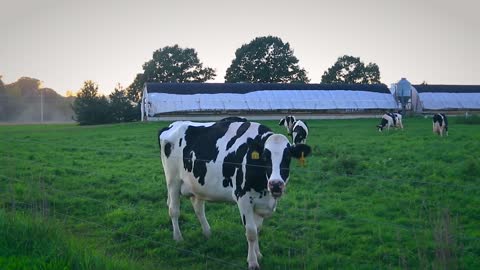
(64, 42)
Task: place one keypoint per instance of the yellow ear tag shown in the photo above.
(255, 155)
(302, 160)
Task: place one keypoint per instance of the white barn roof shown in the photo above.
(449, 97)
(161, 98)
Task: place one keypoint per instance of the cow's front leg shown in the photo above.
(248, 219)
(259, 223)
(199, 207)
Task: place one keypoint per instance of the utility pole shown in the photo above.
(41, 105)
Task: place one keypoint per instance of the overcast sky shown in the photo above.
(64, 42)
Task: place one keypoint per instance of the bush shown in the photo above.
(91, 108)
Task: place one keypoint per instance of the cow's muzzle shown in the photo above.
(276, 187)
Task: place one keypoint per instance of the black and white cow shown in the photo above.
(296, 128)
(390, 120)
(299, 132)
(440, 124)
(239, 162)
(288, 122)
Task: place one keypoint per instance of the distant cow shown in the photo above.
(239, 162)
(288, 122)
(300, 132)
(390, 120)
(440, 124)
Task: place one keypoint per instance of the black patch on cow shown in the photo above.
(160, 133)
(227, 182)
(238, 183)
(254, 177)
(301, 134)
(233, 119)
(267, 159)
(437, 118)
(285, 164)
(168, 149)
(441, 119)
(383, 123)
(180, 142)
(231, 163)
(201, 141)
(240, 131)
(244, 220)
(394, 118)
(263, 129)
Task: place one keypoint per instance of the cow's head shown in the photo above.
(382, 125)
(275, 154)
(288, 122)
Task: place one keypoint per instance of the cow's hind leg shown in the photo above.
(199, 207)
(174, 207)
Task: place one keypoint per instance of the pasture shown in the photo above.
(364, 200)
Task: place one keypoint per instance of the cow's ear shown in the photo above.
(282, 121)
(300, 150)
(254, 144)
(255, 148)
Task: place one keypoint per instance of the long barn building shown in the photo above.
(211, 101)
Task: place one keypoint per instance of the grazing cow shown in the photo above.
(390, 120)
(239, 162)
(440, 124)
(288, 122)
(300, 132)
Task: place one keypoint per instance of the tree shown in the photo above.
(89, 107)
(3, 101)
(121, 108)
(2, 85)
(349, 69)
(267, 60)
(171, 64)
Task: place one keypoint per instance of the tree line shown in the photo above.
(263, 60)
(27, 101)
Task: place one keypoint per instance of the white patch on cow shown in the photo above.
(276, 144)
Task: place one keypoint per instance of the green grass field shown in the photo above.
(95, 198)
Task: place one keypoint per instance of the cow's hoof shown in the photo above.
(254, 266)
(178, 238)
(207, 234)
